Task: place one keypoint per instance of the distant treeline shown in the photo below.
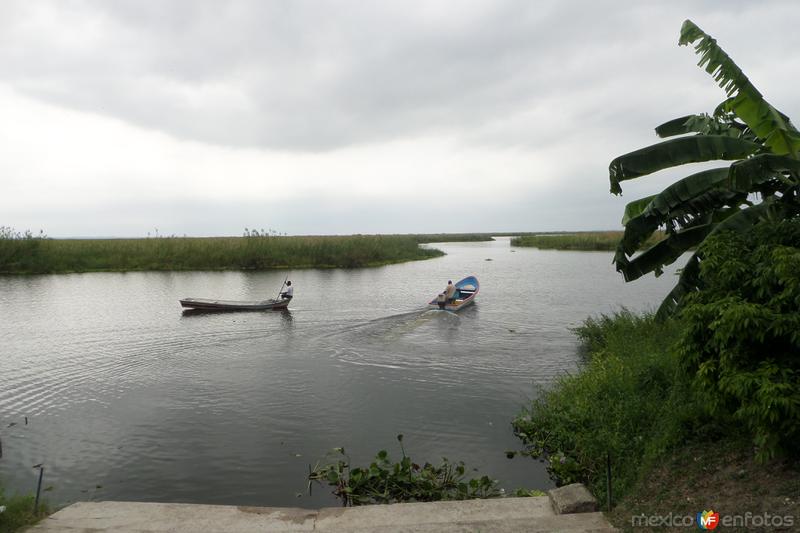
(584, 240)
(30, 254)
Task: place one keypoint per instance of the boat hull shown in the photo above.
(466, 291)
(233, 305)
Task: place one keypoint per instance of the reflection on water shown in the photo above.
(128, 398)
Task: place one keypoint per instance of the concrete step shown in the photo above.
(506, 514)
(575, 523)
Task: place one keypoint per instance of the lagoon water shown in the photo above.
(128, 398)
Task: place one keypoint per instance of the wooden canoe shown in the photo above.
(233, 305)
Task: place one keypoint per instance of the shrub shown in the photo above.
(742, 341)
(17, 248)
(17, 512)
(630, 402)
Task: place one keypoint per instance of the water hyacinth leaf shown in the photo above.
(390, 482)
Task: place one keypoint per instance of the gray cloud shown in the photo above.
(315, 76)
(523, 104)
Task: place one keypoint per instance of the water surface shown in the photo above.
(128, 398)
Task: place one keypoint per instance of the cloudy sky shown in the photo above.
(322, 117)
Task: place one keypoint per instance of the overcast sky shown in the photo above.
(312, 117)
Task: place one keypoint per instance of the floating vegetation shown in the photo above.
(384, 481)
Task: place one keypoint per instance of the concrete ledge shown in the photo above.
(573, 498)
(178, 517)
(432, 513)
(495, 515)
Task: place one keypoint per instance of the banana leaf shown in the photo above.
(719, 124)
(693, 195)
(747, 174)
(636, 208)
(740, 222)
(765, 121)
(677, 126)
(664, 252)
(687, 283)
(674, 152)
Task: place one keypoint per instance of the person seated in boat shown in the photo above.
(450, 292)
(289, 292)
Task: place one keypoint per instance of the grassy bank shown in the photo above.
(42, 255)
(628, 403)
(585, 241)
(634, 403)
(18, 512)
(453, 237)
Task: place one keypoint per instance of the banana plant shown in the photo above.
(762, 178)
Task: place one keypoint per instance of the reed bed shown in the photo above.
(43, 255)
(583, 241)
(453, 237)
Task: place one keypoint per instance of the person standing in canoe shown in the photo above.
(289, 292)
(450, 292)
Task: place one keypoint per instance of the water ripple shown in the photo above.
(141, 402)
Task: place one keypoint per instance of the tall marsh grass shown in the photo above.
(584, 241)
(630, 402)
(20, 255)
(18, 511)
(453, 237)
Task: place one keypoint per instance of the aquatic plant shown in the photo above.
(583, 240)
(254, 252)
(384, 481)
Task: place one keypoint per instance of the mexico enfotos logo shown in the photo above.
(709, 520)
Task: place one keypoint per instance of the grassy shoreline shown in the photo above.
(48, 256)
(453, 237)
(582, 241)
(632, 402)
(18, 511)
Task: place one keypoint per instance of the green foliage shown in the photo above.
(584, 241)
(384, 481)
(255, 251)
(18, 512)
(453, 237)
(743, 331)
(747, 102)
(16, 247)
(528, 493)
(745, 129)
(631, 401)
